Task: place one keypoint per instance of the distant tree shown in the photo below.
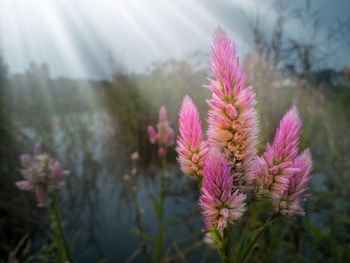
(3, 72)
(302, 54)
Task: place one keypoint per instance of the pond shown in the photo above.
(97, 204)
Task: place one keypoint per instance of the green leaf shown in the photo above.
(157, 207)
(76, 237)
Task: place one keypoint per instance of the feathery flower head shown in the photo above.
(164, 135)
(286, 142)
(42, 175)
(135, 156)
(232, 118)
(275, 168)
(190, 146)
(290, 203)
(220, 206)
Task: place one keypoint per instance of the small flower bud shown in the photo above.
(274, 169)
(161, 152)
(134, 156)
(195, 158)
(231, 111)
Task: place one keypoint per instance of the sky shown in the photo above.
(78, 38)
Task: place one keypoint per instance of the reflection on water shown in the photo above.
(95, 203)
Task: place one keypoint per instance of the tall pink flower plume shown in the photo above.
(290, 203)
(163, 134)
(42, 175)
(275, 168)
(220, 206)
(232, 117)
(190, 146)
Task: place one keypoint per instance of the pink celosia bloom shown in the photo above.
(41, 196)
(290, 203)
(232, 118)
(274, 169)
(190, 146)
(164, 135)
(162, 114)
(162, 152)
(152, 134)
(23, 185)
(220, 206)
(57, 176)
(42, 175)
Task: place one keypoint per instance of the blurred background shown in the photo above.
(86, 78)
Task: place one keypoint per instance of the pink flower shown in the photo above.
(275, 168)
(220, 206)
(152, 134)
(23, 185)
(286, 142)
(162, 114)
(232, 118)
(58, 176)
(41, 196)
(290, 203)
(161, 152)
(42, 174)
(280, 172)
(190, 146)
(164, 134)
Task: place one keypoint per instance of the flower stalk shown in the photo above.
(160, 239)
(227, 165)
(58, 236)
(44, 177)
(163, 135)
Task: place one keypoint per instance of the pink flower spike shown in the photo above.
(190, 147)
(162, 114)
(286, 142)
(232, 117)
(43, 175)
(152, 134)
(281, 173)
(220, 206)
(58, 176)
(278, 158)
(23, 185)
(290, 203)
(164, 134)
(161, 152)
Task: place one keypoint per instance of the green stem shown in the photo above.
(224, 246)
(138, 225)
(159, 242)
(58, 230)
(162, 183)
(257, 234)
(224, 253)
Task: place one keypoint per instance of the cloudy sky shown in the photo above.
(76, 38)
